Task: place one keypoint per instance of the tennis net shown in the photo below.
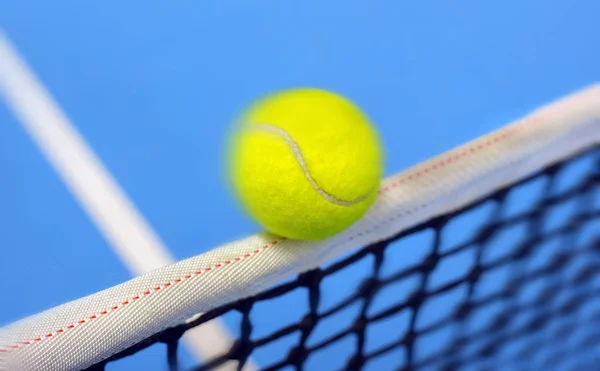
(482, 257)
(540, 316)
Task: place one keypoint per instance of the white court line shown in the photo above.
(123, 227)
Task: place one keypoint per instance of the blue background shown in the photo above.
(154, 85)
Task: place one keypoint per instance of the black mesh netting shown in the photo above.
(509, 282)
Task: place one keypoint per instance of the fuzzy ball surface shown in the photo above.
(305, 163)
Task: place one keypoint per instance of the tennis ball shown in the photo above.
(305, 163)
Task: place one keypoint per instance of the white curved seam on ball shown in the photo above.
(298, 154)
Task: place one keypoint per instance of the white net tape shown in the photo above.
(88, 330)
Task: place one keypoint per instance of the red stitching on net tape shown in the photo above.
(10, 348)
(452, 157)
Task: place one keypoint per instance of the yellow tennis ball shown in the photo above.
(306, 163)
